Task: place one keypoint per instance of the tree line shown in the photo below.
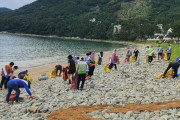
(71, 18)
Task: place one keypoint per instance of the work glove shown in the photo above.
(31, 97)
(7, 76)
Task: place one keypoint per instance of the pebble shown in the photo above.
(131, 83)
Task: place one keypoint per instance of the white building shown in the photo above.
(169, 31)
(117, 29)
(160, 26)
(93, 20)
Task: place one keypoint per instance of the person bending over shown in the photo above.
(15, 84)
(22, 74)
(174, 66)
(58, 68)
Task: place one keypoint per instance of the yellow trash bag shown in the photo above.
(165, 56)
(53, 74)
(28, 78)
(133, 58)
(106, 68)
(170, 73)
(96, 62)
(147, 59)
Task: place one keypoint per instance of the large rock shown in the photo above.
(43, 77)
(33, 109)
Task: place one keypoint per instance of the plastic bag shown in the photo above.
(147, 59)
(154, 56)
(53, 74)
(117, 59)
(170, 73)
(126, 59)
(12, 97)
(28, 78)
(133, 58)
(106, 68)
(65, 74)
(165, 56)
(162, 55)
(74, 82)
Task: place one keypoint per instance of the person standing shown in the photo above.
(159, 51)
(136, 52)
(128, 54)
(113, 60)
(150, 52)
(82, 69)
(13, 70)
(100, 58)
(92, 57)
(6, 73)
(72, 68)
(169, 51)
(87, 58)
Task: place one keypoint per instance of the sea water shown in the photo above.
(28, 51)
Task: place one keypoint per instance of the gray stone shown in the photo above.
(129, 114)
(165, 117)
(42, 78)
(33, 109)
(24, 110)
(113, 115)
(44, 109)
(107, 116)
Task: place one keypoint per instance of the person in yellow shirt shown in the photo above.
(150, 52)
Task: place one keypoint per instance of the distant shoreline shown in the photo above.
(70, 38)
(36, 71)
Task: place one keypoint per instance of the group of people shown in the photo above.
(83, 67)
(150, 53)
(10, 82)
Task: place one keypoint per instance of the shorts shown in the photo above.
(71, 72)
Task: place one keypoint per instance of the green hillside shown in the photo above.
(4, 9)
(72, 18)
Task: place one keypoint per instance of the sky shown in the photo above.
(14, 4)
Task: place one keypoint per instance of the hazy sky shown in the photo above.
(14, 4)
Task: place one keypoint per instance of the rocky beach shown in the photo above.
(109, 96)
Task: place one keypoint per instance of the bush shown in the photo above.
(170, 41)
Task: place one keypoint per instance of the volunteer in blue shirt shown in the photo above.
(15, 84)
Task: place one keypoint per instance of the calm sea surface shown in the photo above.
(34, 51)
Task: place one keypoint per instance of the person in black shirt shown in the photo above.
(58, 68)
(72, 68)
(136, 52)
(174, 66)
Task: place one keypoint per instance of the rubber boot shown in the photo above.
(69, 81)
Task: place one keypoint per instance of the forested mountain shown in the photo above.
(4, 9)
(92, 18)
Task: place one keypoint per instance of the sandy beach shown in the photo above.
(35, 72)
